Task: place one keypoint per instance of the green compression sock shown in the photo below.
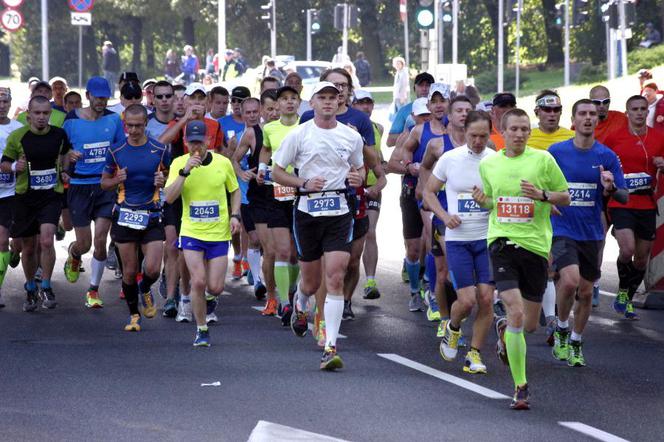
(516, 353)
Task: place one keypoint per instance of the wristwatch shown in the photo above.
(545, 195)
(237, 217)
(181, 172)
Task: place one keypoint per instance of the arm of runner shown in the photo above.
(175, 183)
(173, 132)
(426, 166)
(396, 164)
(430, 198)
(529, 190)
(619, 191)
(284, 178)
(247, 140)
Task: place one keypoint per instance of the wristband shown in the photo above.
(262, 167)
(304, 185)
(236, 216)
(14, 166)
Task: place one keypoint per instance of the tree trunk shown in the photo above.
(371, 44)
(149, 51)
(554, 47)
(137, 41)
(188, 31)
(492, 9)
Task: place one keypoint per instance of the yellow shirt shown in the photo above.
(542, 141)
(204, 203)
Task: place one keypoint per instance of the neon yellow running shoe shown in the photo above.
(92, 299)
(72, 267)
(473, 363)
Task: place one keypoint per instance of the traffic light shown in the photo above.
(267, 14)
(424, 14)
(353, 16)
(580, 12)
(315, 21)
(560, 16)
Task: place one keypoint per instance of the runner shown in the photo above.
(548, 110)
(73, 101)
(465, 242)
(323, 221)
(578, 233)
(218, 99)
(502, 103)
(91, 131)
(159, 120)
(59, 88)
(37, 154)
(135, 168)
(202, 180)
(640, 150)
(608, 120)
(43, 89)
(520, 184)
(403, 119)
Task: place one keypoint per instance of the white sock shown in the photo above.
(575, 337)
(254, 260)
(334, 309)
(596, 284)
(549, 300)
(97, 271)
(563, 324)
(302, 300)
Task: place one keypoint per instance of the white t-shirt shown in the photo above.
(7, 180)
(460, 170)
(322, 152)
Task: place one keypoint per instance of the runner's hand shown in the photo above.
(555, 211)
(413, 169)
(121, 175)
(530, 191)
(371, 192)
(452, 222)
(235, 226)
(479, 196)
(606, 177)
(20, 163)
(193, 161)
(74, 156)
(315, 184)
(354, 178)
(64, 176)
(159, 179)
(248, 175)
(658, 162)
(260, 177)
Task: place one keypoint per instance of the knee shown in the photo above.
(640, 262)
(129, 275)
(46, 242)
(152, 269)
(626, 251)
(515, 317)
(197, 283)
(568, 284)
(83, 245)
(466, 303)
(215, 287)
(335, 282)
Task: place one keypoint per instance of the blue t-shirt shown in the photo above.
(401, 119)
(352, 117)
(155, 128)
(581, 221)
(138, 191)
(92, 139)
(232, 129)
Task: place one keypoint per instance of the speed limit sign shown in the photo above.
(11, 20)
(12, 3)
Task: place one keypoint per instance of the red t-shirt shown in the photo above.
(636, 154)
(614, 121)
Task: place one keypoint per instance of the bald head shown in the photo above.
(599, 92)
(601, 97)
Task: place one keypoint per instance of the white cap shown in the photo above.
(194, 87)
(440, 88)
(56, 79)
(323, 85)
(420, 106)
(361, 94)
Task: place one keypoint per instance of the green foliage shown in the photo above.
(645, 58)
(592, 73)
(487, 82)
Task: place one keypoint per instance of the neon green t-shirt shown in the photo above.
(204, 203)
(371, 177)
(274, 133)
(541, 140)
(520, 219)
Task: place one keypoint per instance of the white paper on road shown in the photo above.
(213, 384)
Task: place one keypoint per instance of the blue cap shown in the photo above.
(195, 131)
(98, 87)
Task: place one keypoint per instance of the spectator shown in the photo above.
(650, 94)
(171, 66)
(230, 70)
(241, 65)
(189, 65)
(644, 77)
(110, 64)
(653, 37)
(400, 89)
(362, 69)
(209, 62)
(273, 71)
(340, 58)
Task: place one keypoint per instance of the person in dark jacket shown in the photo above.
(110, 64)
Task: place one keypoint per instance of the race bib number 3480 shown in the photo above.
(515, 209)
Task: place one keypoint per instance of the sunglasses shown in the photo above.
(603, 102)
(549, 109)
(162, 96)
(133, 97)
(237, 100)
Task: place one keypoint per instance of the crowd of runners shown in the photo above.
(501, 216)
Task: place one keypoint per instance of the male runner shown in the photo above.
(548, 110)
(218, 102)
(608, 120)
(43, 89)
(59, 88)
(73, 101)
(520, 184)
(158, 121)
(502, 103)
(403, 119)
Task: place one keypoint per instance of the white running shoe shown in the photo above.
(210, 318)
(184, 312)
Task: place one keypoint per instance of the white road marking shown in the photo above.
(444, 376)
(593, 432)
(609, 294)
(311, 326)
(269, 432)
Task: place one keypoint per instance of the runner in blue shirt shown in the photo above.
(403, 118)
(91, 131)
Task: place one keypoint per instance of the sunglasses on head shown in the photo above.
(603, 102)
(162, 96)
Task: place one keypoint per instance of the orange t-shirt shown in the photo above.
(497, 139)
(614, 121)
(214, 136)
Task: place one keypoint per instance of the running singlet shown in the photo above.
(582, 219)
(518, 218)
(232, 128)
(204, 202)
(636, 154)
(7, 180)
(92, 139)
(155, 128)
(256, 191)
(274, 133)
(614, 121)
(214, 138)
(42, 155)
(542, 140)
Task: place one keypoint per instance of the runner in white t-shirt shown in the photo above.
(465, 241)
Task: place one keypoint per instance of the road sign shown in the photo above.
(81, 18)
(12, 3)
(81, 5)
(11, 20)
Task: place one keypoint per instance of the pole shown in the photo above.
(614, 55)
(344, 37)
(406, 40)
(80, 57)
(442, 42)
(567, 28)
(424, 44)
(518, 47)
(607, 29)
(455, 31)
(308, 34)
(501, 37)
(221, 29)
(623, 37)
(44, 39)
(437, 49)
(273, 31)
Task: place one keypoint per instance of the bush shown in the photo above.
(592, 73)
(644, 58)
(487, 82)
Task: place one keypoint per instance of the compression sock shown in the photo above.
(293, 274)
(515, 342)
(97, 271)
(4, 262)
(635, 280)
(549, 300)
(131, 296)
(282, 280)
(334, 309)
(624, 274)
(254, 259)
(31, 285)
(430, 265)
(413, 270)
(146, 283)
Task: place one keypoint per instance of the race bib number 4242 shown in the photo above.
(515, 209)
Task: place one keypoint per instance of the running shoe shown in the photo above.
(449, 346)
(348, 311)
(163, 290)
(260, 291)
(211, 318)
(331, 360)
(501, 348)
(433, 312)
(630, 313)
(299, 322)
(48, 298)
(560, 349)
(416, 304)
(499, 309)
(440, 332)
(149, 309)
(134, 324)
(473, 363)
(31, 300)
(286, 312)
(117, 274)
(521, 398)
(270, 308)
(72, 267)
(250, 278)
(184, 312)
(404, 273)
(202, 338)
(60, 233)
(170, 309)
(596, 296)
(92, 299)
(621, 301)
(245, 267)
(211, 306)
(551, 323)
(370, 290)
(576, 358)
(14, 259)
(237, 270)
(111, 258)
(322, 334)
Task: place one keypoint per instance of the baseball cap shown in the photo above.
(195, 131)
(148, 82)
(549, 101)
(284, 89)
(323, 85)
(131, 91)
(424, 76)
(128, 76)
(240, 92)
(420, 106)
(504, 99)
(361, 94)
(98, 87)
(193, 88)
(32, 80)
(54, 80)
(440, 88)
(42, 83)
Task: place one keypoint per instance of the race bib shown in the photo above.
(638, 181)
(322, 204)
(582, 194)
(514, 209)
(283, 193)
(43, 179)
(134, 219)
(95, 152)
(204, 211)
(6, 179)
(468, 208)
